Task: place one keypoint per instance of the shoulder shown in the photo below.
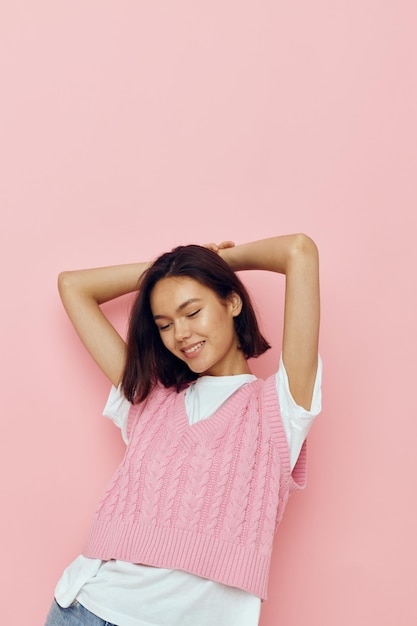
(158, 402)
(123, 413)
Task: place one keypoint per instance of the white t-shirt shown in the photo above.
(129, 594)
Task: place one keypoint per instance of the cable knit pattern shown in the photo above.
(205, 498)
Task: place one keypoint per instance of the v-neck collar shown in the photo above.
(205, 428)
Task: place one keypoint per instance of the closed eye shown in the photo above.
(164, 326)
(167, 326)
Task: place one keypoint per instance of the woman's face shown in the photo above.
(197, 327)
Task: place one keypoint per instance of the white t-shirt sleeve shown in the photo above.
(117, 409)
(297, 420)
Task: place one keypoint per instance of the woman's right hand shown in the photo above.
(217, 247)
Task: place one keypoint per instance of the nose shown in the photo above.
(182, 330)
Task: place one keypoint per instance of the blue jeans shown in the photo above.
(74, 615)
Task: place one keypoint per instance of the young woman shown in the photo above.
(183, 534)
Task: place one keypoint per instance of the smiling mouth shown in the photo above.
(192, 349)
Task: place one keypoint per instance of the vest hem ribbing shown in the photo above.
(173, 548)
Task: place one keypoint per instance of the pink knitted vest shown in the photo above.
(205, 498)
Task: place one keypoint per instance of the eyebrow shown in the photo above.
(180, 308)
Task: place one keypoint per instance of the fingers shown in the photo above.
(211, 246)
(226, 244)
(215, 247)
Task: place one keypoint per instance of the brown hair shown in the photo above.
(148, 361)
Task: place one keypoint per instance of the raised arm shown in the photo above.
(82, 292)
(296, 256)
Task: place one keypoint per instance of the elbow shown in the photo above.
(303, 256)
(304, 246)
(65, 281)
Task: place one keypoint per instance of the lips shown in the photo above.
(191, 350)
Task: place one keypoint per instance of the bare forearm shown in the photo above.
(103, 283)
(275, 254)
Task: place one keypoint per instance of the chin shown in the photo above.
(197, 370)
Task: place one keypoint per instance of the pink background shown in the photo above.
(129, 127)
